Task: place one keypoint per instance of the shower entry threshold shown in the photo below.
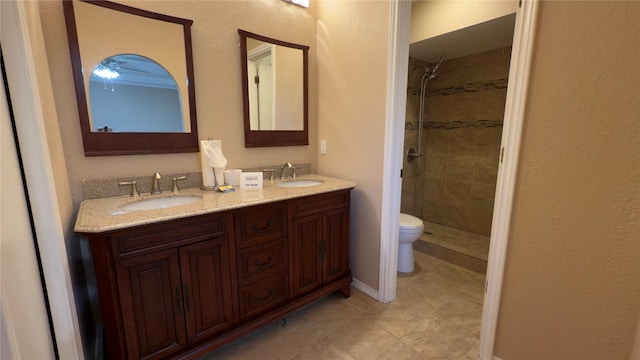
(455, 246)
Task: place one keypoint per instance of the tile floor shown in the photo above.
(436, 315)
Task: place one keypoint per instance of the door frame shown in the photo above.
(26, 102)
(522, 49)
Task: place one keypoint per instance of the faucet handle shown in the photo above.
(270, 171)
(175, 183)
(294, 171)
(134, 189)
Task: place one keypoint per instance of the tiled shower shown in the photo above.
(462, 128)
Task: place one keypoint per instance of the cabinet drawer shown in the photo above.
(262, 260)
(263, 295)
(319, 203)
(170, 233)
(260, 224)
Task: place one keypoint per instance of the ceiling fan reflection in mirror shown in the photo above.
(132, 69)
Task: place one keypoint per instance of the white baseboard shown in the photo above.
(365, 289)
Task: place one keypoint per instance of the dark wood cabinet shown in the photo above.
(320, 241)
(182, 288)
(152, 308)
(206, 288)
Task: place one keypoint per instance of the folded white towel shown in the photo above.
(213, 163)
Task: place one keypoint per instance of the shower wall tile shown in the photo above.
(456, 217)
(437, 141)
(488, 142)
(479, 221)
(436, 166)
(433, 212)
(457, 194)
(409, 168)
(434, 190)
(460, 168)
(407, 201)
(485, 171)
(463, 114)
(462, 142)
(482, 196)
(491, 104)
(497, 63)
(437, 108)
(412, 109)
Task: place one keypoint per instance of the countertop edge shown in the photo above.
(104, 215)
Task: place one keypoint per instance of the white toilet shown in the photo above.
(410, 229)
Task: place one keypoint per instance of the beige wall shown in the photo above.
(352, 46)
(572, 278)
(217, 84)
(353, 98)
(432, 18)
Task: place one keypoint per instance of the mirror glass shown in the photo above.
(275, 89)
(133, 73)
(132, 93)
(275, 86)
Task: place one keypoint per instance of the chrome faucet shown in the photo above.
(283, 173)
(155, 185)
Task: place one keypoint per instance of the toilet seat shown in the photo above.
(410, 222)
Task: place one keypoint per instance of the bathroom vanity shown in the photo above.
(179, 282)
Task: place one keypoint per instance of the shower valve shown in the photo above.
(412, 154)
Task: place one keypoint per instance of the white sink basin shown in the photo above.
(161, 203)
(300, 183)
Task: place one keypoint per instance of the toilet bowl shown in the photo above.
(410, 229)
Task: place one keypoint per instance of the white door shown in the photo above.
(23, 318)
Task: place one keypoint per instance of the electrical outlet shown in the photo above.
(323, 147)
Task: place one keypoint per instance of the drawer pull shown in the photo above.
(264, 264)
(263, 298)
(264, 228)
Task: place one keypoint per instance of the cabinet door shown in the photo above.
(335, 246)
(152, 305)
(206, 285)
(306, 254)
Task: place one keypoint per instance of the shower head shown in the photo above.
(433, 71)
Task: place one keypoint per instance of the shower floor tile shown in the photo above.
(461, 241)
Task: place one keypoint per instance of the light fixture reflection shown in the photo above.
(105, 72)
(107, 69)
(303, 3)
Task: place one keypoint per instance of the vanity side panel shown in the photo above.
(336, 244)
(107, 285)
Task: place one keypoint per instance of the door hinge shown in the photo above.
(501, 155)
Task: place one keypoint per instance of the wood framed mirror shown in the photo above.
(275, 91)
(133, 75)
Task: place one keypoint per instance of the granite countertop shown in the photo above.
(105, 214)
